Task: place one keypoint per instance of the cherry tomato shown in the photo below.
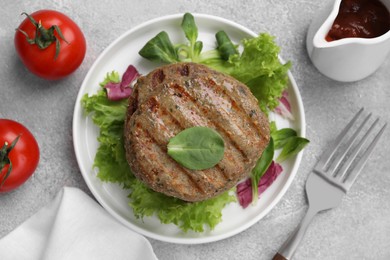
(50, 44)
(23, 156)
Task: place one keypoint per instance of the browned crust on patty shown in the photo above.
(178, 96)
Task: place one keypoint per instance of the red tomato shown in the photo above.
(44, 62)
(24, 156)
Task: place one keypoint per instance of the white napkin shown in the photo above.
(73, 226)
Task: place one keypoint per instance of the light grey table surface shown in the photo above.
(358, 229)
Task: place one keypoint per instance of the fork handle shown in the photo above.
(287, 251)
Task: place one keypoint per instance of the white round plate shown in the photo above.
(123, 52)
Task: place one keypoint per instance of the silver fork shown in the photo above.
(333, 176)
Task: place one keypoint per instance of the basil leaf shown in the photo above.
(293, 146)
(261, 167)
(281, 136)
(159, 48)
(197, 148)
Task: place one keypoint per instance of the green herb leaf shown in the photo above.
(225, 45)
(198, 46)
(189, 27)
(293, 146)
(287, 140)
(197, 148)
(281, 136)
(191, 32)
(261, 167)
(160, 48)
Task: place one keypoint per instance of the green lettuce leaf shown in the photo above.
(260, 69)
(109, 117)
(186, 215)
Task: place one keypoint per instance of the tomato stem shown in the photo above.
(44, 37)
(4, 159)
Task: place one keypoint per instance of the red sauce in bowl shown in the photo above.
(360, 18)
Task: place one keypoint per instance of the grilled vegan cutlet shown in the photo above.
(178, 96)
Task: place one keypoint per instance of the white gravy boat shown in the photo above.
(348, 59)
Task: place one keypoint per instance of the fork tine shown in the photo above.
(343, 170)
(348, 145)
(328, 154)
(350, 179)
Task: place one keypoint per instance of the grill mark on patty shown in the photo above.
(184, 70)
(222, 172)
(159, 119)
(238, 106)
(158, 77)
